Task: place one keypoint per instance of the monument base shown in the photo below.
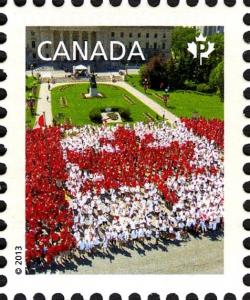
(93, 93)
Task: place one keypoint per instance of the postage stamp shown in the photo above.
(124, 152)
(124, 149)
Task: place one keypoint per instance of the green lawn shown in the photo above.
(184, 103)
(77, 108)
(30, 83)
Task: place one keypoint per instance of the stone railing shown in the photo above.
(72, 79)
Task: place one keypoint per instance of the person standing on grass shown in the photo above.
(165, 98)
(145, 85)
(31, 104)
(167, 89)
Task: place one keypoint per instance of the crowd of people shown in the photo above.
(142, 181)
(124, 184)
(213, 129)
(49, 218)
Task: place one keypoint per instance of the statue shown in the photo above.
(92, 90)
(92, 81)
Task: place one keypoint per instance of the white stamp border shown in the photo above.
(231, 19)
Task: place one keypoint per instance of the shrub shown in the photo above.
(125, 113)
(95, 115)
(204, 88)
(31, 82)
(190, 85)
(216, 79)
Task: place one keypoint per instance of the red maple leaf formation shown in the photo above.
(213, 129)
(135, 162)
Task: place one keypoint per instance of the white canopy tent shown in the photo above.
(79, 68)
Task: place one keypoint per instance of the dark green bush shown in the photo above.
(125, 113)
(190, 85)
(204, 88)
(95, 115)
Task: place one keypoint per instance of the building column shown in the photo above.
(89, 44)
(70, 44)
(52, 50)
(43, 37)
(61, 39)
(80, 43)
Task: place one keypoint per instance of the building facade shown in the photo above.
(152, 40)
(209, 30)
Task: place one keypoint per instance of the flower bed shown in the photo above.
(113, 116)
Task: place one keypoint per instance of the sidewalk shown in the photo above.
(44, 106)
(148, 101)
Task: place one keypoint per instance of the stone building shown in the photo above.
(152, 40)
(209, 30)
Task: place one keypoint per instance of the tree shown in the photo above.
(189, 68)
(181, 36)
(173, 78)
(217, 55)
(155, 71)
(181, 70)
(216, 79)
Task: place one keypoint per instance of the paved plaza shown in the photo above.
(198, 256)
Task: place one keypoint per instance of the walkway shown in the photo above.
(148, 101)
(44, 106)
